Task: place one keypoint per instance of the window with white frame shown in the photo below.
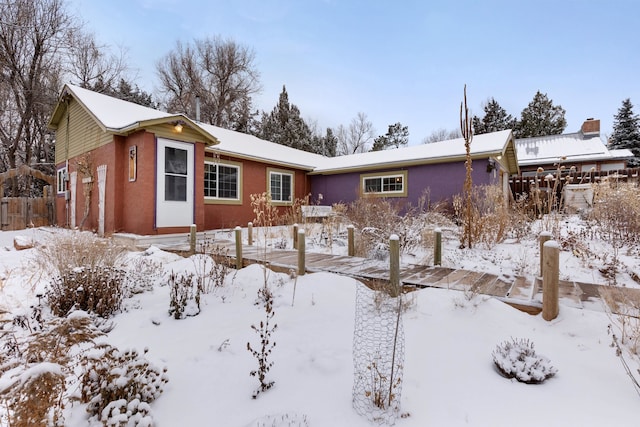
(221, 181)
(281, 186)
(384, 184)
(61, 177)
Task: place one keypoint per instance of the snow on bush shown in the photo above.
(119, 386)
(518, 359)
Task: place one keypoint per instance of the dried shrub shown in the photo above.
(141, 274)
(35, 398)
(212, 267)
(96, 289)
(118, 386)
(184, 295)
(518, 359)
(624, 311)
(616, 212)
(376, 219)
(67, 250)
(490, 216)
(37, 366)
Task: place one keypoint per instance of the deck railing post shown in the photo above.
(301, 253)
(394, 265)
(238, 235)
(250, 234)
(437, 248)
(192, 239)
(295, 236)
(550, 280)
(351, 250)
(545, 236)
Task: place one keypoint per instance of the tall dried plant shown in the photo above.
(466, 129)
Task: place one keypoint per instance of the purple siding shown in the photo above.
(443, 180)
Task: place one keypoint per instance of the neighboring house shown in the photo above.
(585, 150)
(122, 167)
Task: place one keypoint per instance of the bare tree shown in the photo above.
(357, 137)
(442, 135)
(32, 40)
(219, 71)
(93, 66)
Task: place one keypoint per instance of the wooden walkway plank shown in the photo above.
(524, 293)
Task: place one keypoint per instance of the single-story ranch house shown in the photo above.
(123, 167)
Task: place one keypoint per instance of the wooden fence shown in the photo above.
(525, 184)
(17, 213)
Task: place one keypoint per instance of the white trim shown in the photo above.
(174, 213)
(238, 180)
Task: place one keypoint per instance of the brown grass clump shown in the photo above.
(35, 383)
(67, 250)
(35, 398)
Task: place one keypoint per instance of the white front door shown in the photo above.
(174, 191)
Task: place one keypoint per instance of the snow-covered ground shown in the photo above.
(449, 376)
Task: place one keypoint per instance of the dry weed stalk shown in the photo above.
(466, 128)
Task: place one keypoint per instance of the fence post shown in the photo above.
(250, 234)
(295, 236)
(437, 249)
(394, 265)
(238, 235)
(351, 249)
(550, 280)
(301, 254)
(192, 239)
(544, 237)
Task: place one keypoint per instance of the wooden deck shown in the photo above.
(521, 292)
(524, 293)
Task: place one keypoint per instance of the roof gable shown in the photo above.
(117, 116)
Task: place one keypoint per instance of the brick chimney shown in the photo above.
(590, 127)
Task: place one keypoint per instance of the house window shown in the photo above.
(281, 186)
(386, 184)
(221, 181)
(61, 176)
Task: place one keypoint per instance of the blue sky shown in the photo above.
(401, 61)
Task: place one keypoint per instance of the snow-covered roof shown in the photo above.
(239, 144)
(484, 145)
(119, 116)
(122, 117)
(574, 146)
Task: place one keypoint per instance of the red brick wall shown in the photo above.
(254, 181)
(129, 205)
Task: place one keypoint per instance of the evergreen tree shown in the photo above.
(495, 119)
(329, 144)
(126, 91)
(285, 126)
(541, 118)
(396, 136)
(626, 132)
